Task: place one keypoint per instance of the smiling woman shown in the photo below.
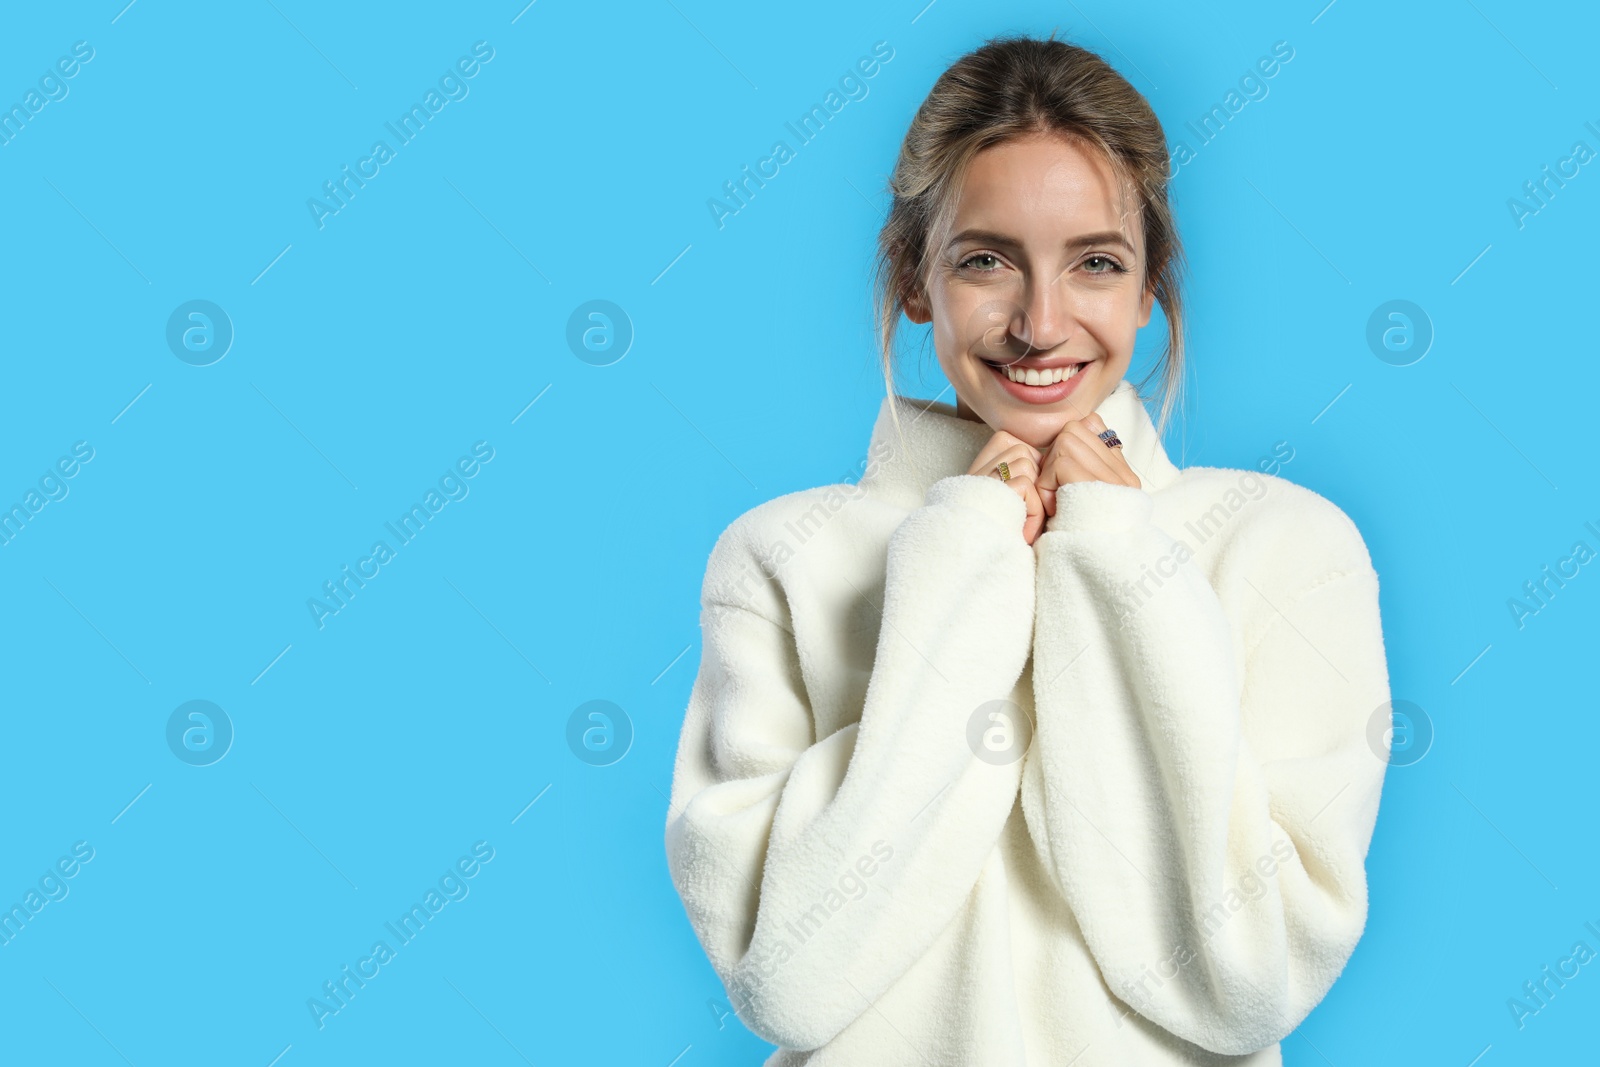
(1117, 836)
(1044, 255)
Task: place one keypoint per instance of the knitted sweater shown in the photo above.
(945, 798)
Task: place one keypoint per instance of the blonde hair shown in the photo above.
(1012, 87)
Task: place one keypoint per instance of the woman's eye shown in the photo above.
(986, 257)
(1112, 266)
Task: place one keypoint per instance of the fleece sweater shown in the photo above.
(942, 797)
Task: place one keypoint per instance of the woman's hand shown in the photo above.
(1022, 463)
(1078, 455)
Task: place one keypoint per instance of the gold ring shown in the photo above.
(1005, 471)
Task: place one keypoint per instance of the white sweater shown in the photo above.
(1172, 873)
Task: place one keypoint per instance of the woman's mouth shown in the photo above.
(1035, 386)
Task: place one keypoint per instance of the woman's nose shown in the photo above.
(1044, 319)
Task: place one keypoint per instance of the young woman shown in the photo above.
(1030, 747)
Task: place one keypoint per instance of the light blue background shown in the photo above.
(432, 310)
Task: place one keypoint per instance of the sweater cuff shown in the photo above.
(981, 493)
(1096, 505)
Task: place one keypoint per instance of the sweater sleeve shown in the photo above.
(1204, 792)
(815, 871)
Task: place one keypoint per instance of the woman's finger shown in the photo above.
(999, 447)
(1019, 460)
(1114, 457)
(1033, 521)
(1023, 469)
(1077, 455)
(1021, 476)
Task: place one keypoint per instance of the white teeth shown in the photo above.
(1045, 377)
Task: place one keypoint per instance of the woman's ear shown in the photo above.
(915, 304)
(1145, 303)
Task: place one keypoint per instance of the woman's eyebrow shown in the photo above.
(1083, 240)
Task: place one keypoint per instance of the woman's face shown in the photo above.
(1042, 274)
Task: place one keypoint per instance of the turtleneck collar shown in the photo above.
(937, 443)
